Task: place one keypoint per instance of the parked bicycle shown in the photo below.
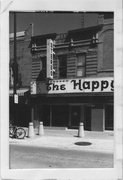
(16, 132)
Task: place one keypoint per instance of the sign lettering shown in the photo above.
(84, 85)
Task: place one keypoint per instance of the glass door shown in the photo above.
(75, 115)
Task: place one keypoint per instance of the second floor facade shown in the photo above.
(81, 53)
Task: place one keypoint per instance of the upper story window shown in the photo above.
(80, 68)
(41, 69)
(108, 50)
(62, 66)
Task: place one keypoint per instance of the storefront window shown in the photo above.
(80, 69)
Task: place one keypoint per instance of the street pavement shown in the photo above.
(68, 139)
(24, 157)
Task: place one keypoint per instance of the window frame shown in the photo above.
(81, 66)
(62, 68)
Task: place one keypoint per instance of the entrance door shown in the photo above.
(60, 116)
(44, 115)
(97, 119)
(87, 122)
(75, 115)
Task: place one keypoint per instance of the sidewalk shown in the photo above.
(67, 139)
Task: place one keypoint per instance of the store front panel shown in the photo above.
(44, 114)
(109, 117)
(93, 111)
(87, 120)
(60, 116)
(97, 116)
(75, 116)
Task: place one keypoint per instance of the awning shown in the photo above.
(20, 92)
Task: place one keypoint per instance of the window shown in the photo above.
(42, 69)
(62, 66)
(80, 69)
(108, 50)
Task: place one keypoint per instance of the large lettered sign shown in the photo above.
(81, 85)
(86, 85)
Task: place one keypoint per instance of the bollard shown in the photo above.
(81, 130)
(41, 129)
(31, 130)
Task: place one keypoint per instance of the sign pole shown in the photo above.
(15, 65)
(15, 74)
(15, 62)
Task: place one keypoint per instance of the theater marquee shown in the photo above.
(85, 85)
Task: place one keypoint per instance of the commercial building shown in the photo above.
(76, 83)
(20, 113)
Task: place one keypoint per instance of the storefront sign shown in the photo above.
(20, 92)
(15, 98)
(50, 53)
(33, 87)
(76, 86)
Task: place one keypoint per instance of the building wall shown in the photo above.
(24, 60)
(99, 62)
(106, 51)
(99, 57)
(20, 113)
(68, 109)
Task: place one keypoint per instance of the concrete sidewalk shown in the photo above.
(67, 139)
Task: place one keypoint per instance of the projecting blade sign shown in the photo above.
(50, 53)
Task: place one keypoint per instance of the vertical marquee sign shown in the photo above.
(50, 53)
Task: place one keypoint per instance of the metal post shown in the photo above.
(15, 61)
(32, 114)
(50, 115)
(14, 74)
(69, 116)
(32, 29)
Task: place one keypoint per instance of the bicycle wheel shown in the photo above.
(11, 132)
(20, 133)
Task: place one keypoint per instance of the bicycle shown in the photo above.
(17, 132)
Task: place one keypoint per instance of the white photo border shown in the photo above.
(61, 5)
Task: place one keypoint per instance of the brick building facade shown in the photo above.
(82, 86)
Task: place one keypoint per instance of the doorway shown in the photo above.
(59, 115)
(87, 121)
(97, 116)
(109, 117)
(75, 115)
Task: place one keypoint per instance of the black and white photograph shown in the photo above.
(61, 91)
